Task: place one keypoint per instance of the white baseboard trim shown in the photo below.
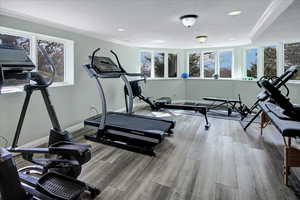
(75, 127)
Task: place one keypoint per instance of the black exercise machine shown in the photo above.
(232, 105)
(161, 103)
(286, 118)
(65, 156)
(277, 82)
(125, 130)
(68, 156)
(20, 185)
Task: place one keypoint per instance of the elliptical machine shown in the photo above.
(16, 185)
(65, 157)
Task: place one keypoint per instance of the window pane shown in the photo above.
(172, 65)
(251, 62)
(194, 64)
(55, 51)
(159, 64)
(270, 61)
(225, 59)
(15, 42)
(292, 57)
(209, 64)
(146, 61)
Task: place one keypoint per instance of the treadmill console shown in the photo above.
(15, 66)
(104, 65)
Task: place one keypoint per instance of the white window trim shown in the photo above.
(232, 63)
(166, 63)
(277, 59)
(244, 71)
(216, 62)
(260, 58)
(188, 63)
(68, 52)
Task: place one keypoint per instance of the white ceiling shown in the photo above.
(147, 21)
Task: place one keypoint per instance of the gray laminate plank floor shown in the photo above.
(222, 163)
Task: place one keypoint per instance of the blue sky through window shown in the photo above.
(251, 57)
(225, 59)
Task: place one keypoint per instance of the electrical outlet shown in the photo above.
(93, 110)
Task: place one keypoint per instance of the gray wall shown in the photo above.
(72, 103)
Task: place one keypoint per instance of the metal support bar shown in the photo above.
(21, 118)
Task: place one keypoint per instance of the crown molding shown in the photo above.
(273, 11)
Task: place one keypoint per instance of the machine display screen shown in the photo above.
(105, 65)
(14, 56)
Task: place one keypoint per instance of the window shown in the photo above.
(15, 41)
(292, 57)
(225, 63)
(146, 63)
(159, 65)
(209, 64)
(60, 50)
(251, 62)
(270, 61)
(194, 64)
(172, 65)
(55, 51)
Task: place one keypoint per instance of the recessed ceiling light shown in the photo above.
(202, 38)
(158, 41)
(121, 29)
(188, 20)
(235, 13)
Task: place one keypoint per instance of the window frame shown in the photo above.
(166, 63)
(283, 58)
(259, 62)
(33, 37)
(232, 63)
(217, 63)
(188, 63)
(278, 70)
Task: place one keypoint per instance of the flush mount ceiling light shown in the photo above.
(202, 38)
(235, 13)
(158, 41)
(188, 20)
(121, 29)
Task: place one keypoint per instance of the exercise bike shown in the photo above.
(65, 156)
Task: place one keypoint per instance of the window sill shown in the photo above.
(19, 89)
(163, 79)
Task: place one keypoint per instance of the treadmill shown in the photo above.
(129, 131)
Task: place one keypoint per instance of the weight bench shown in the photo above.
(288, 127)
(229, 103)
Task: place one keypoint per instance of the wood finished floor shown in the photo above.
(223, 163)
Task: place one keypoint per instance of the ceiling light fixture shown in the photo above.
(158, 41)
(235, 13)
(202, 38)
(121, 29)
(188, 20)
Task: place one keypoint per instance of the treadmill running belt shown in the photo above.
(133, 122)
